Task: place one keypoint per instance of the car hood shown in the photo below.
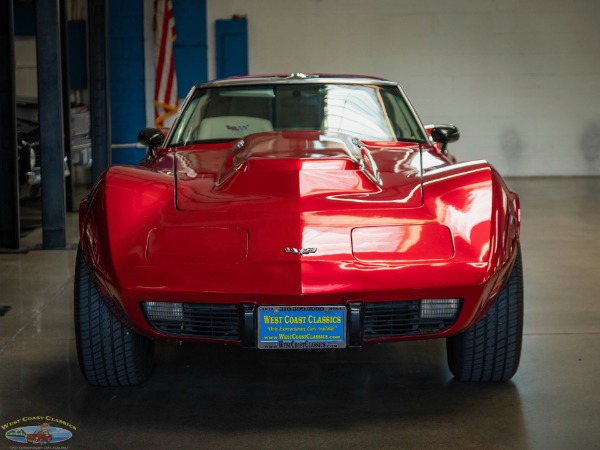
(298, 170)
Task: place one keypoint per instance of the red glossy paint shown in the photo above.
(427, 242)
(209, 223)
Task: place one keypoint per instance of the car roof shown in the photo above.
(298, 78)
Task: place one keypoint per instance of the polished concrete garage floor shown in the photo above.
(387, 396)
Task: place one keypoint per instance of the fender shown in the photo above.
(116, 217)
(484, 218)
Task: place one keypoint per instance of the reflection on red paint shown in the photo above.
(402, 243)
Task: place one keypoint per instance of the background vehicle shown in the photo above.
(28, 144)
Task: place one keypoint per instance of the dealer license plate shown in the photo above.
(301, 327)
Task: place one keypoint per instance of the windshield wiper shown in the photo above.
(415, 140)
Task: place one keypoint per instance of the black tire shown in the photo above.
(491, 349)
(109, 353)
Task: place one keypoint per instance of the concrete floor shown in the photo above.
(388, 396)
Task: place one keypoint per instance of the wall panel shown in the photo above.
(521, 78)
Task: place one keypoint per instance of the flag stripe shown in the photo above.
(165, 90)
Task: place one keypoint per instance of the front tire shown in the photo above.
(109, 353)
(491, 349)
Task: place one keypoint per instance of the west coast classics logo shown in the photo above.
(38, 430)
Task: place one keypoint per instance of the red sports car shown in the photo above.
(299, 211)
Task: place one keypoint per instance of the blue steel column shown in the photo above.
(99, 94)
(50, 86)
(9, 173)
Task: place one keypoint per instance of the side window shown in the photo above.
(401, 128)
(189, 121)
(403, 121)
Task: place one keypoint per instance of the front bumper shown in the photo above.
(238, 323)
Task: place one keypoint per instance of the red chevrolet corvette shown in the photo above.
(299, 212)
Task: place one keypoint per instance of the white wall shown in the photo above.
(521, 78)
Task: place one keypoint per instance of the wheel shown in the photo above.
(109, 353)
(491, 349)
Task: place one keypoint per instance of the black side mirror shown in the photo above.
(444, 133)
(151, 138)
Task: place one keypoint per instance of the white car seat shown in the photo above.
(227, 127)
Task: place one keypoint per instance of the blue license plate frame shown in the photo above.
(301, 327)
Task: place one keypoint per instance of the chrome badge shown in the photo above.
(300, 251)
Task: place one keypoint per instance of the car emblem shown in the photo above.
(298, 251)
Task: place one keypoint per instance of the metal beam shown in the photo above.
(9, 172)
(64, 48)
(50, 98)
(99, 98)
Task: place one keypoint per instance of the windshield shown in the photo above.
(368, 112)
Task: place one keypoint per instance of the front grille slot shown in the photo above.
(212, 321)
(217, 321)
(390, 319)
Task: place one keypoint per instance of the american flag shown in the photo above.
(165, 90)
